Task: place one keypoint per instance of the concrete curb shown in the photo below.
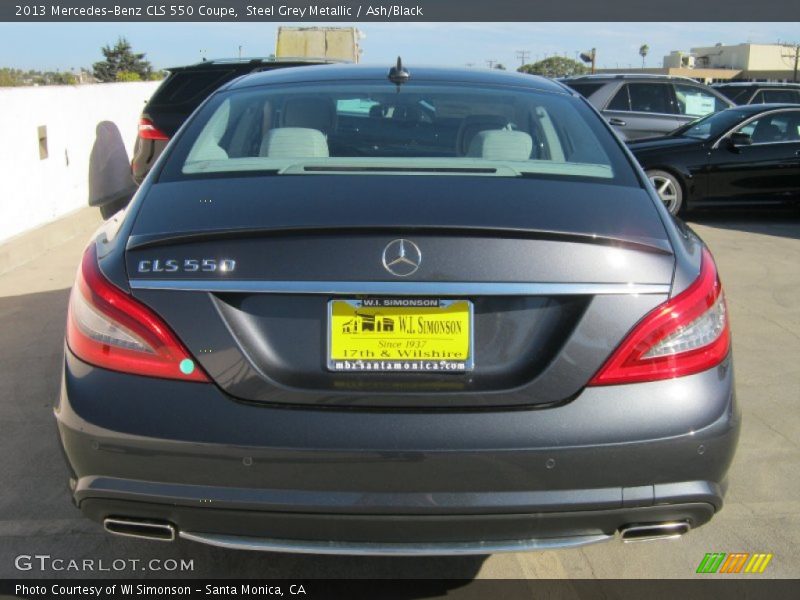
(27, 246)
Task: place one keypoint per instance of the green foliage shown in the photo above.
(500, 66)
(121, 58)
(18, 77)
(64, 79)
(128, 76)
(555, 66)
(10, 77)
(643, 50)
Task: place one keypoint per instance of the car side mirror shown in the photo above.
(739, 138)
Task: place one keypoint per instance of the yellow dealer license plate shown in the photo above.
(417, 335)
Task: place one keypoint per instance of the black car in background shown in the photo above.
(181, 92)
(744, 155)
(746, 92)
(640, 106)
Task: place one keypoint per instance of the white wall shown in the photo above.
(33, 191)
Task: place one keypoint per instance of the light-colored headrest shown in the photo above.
(501, 144)
(294, 142)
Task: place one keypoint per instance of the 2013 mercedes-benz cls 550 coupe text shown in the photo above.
(434, 312)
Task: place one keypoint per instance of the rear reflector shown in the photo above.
(108, 328)
(148, 131)
(685, 335)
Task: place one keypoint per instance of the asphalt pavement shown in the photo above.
(758, 254)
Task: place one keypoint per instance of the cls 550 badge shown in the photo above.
(187, 265)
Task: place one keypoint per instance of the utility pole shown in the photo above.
(792, 53)
(491, 63)
(590, 57)
(523, 55)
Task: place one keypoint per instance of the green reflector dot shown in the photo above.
(187, 366)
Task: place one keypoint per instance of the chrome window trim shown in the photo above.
(651, 114)
(773, 143)
(398, 288)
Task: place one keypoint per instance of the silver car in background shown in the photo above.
(639, 106)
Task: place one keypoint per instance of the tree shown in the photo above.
(63, 78)
(121, 58)
(10, 77)
(128, 76)
(643, 50)
(500, 66)
(555, 66)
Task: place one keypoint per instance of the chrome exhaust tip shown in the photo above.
(653, 531)
(140, 528)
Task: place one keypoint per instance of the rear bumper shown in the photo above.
(397, 482)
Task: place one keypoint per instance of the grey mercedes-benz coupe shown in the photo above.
(387, 311)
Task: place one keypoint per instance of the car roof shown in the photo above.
(251, 62)
(758, 108)
(627, 76)
(350, 72)
(760, 84)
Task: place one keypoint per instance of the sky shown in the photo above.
(64, 46)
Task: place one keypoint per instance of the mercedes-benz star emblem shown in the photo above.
(401, 257)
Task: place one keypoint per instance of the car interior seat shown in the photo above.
(471, 125)
(294, 142)
(503, 144)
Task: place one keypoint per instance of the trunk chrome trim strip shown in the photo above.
(392, 549)
(400, 288)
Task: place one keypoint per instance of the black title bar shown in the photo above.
(398, 589)
(398, 10)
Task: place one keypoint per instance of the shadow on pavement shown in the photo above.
(782, 221)
(39, 518)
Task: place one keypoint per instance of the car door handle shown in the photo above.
(616, 121)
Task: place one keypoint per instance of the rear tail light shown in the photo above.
(685, 335)
(148, 131)
(108, 328)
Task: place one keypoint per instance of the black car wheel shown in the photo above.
(669, 190)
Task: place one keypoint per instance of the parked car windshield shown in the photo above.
(711, 126)
(378, 128)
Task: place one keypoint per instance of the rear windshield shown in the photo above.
(376, 128)
(184, 87)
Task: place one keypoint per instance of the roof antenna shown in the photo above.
(398, 75)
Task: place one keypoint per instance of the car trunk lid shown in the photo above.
(555, 276)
